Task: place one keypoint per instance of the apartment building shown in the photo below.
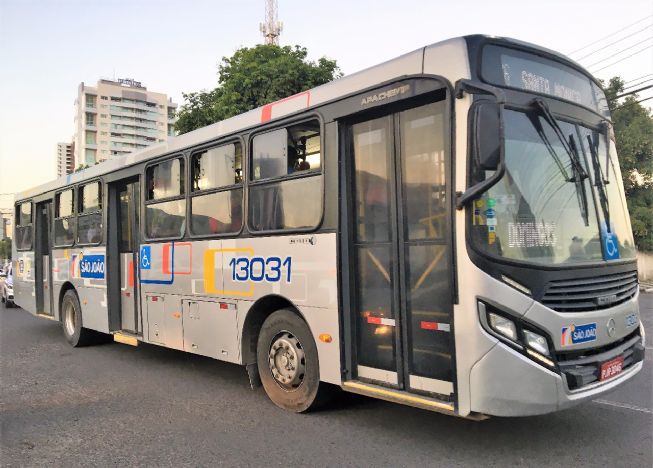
(117, 117)
(65, 158)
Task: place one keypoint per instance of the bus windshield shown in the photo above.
(544, 210)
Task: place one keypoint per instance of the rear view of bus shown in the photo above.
(547, 274)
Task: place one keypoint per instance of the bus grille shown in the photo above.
(582, 368)
(595, 293)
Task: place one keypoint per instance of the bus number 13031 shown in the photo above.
(259, 269)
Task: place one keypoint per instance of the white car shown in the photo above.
(7, 287)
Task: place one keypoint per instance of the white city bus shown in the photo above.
(446, 230)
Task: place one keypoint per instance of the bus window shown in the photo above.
(216, 203)
(64, 223)
(165, 210)
(23, 231)
(89, 220)
(286, 204)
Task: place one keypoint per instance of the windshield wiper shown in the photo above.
(572, 152)
(600, 180)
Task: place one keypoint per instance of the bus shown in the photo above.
(446, 230)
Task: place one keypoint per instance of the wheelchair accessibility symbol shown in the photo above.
(146, 255)
(610, 245)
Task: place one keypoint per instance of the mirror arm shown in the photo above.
(463, 198)
(474, 87)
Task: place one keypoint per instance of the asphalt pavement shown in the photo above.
(116, 405)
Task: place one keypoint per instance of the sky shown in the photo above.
(48, 47)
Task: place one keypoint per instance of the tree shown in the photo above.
(251, 78)
(5, 249)
(633, 128)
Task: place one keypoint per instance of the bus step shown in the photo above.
(398, 396)
(125, 339)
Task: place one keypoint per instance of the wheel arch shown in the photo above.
(256, 315)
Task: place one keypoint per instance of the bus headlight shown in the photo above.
(503, 326)
(536, 342)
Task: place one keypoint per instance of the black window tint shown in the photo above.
(89, 228)
(64, 231)
(270, 155)
(165, 180)
(65, 204)
(291, 204)
(23, 236)
(24, 214)
(217, 213)
(167, 219)
(217, 167)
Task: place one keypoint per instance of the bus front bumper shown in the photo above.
(506, 383)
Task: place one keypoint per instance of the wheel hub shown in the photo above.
(69, 319)
(287, 361)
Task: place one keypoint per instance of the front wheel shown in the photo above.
(71, 317)
(287, 361)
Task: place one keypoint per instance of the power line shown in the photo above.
(610, 35)
(631, 103)
(621, 60)
(638, 78)
(634, 92)
(613, 43)
(620, 52)
(637, 84)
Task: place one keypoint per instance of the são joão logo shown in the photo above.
(91, 266)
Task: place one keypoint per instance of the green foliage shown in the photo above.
(633, 128)
(251, 78)
(5, 248)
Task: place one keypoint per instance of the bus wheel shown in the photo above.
(287, 362)
(71, 317)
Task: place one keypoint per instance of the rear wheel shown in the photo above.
(71, 317)
(288, 362)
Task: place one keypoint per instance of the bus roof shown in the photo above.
(410, 63)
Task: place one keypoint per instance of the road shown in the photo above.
(115, 405)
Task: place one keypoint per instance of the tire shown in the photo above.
(288, 365)
(71, 319)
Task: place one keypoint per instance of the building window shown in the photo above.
(23, 223)
(217, 194)
(64, 223)
(89, 220)
(90, 101)
(104, 98)
(90, 137)
(90, 119)
(286, 192)
(165, 209)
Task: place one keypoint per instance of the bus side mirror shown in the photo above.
(488, 135)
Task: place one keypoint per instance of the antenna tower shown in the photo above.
(272, 27)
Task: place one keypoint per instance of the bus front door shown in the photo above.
(401, 280)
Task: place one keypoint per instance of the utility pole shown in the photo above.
(272, 27)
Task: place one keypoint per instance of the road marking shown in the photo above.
(624, 406)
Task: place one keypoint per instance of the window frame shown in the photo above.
(17, 206)
(81, 214)
(192, 194)
(285, 123)
(55, 216)
(145, 202)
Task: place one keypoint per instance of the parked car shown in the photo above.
(7, 287)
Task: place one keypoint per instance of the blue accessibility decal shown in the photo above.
(610, 243)
(576, 334)
(91, 266)
(146, 257)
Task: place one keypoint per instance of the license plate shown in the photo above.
(611, 368)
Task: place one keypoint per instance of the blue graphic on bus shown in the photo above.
(146, 255)
(610, 243)
(575, 334)
(91, 266)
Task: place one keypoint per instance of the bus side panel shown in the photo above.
(24, 284)
(85, 269)
(231, 274)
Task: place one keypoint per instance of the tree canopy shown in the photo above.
(633, 128)
(253, 77)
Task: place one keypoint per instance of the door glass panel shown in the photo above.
(374, 292)
(423, 169)
(125, 222)
(372, 153)
(428, 300)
